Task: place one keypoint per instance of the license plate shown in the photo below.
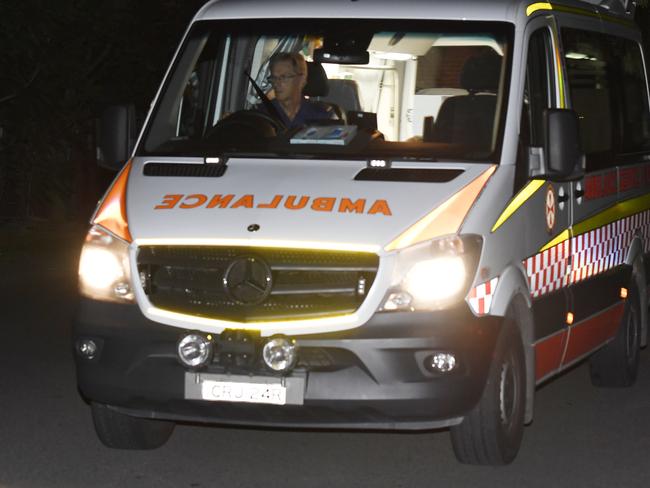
(244, 389)
(229, 391)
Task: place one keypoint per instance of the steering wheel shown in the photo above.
(244, 126)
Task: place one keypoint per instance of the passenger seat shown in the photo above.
(318, 87)
(469, 119)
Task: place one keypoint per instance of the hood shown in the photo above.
(331, 203)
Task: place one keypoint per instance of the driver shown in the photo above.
(288, 78)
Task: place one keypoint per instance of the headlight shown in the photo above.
(104, 267)
(434, 275)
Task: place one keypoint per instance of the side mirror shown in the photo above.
(116, 136)
(561, 159)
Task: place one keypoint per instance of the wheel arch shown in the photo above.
(635, 259)
(512, 301)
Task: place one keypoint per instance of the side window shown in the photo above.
(538, 92)
(635, 113)
(608, 91)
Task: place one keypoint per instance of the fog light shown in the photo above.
(194, 350)
(87, 348)
(441, 362)
(398, 301)
(280, 354)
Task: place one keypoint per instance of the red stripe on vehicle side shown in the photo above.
(591, 333)
(548, 354)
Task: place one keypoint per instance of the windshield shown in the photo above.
(337, 89)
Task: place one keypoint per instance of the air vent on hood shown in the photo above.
(179, 169)
(415, 175)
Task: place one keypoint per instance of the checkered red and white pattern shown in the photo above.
(547, 271)
(594, 252)
(606, 247)
(480, 297)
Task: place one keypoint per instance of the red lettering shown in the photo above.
(200, 200)
(628, 178)
(593, 187)
(323, 204)
(291, 205)
(380, 206)
(220, 201)
(609, 183)
(169, 201)
(347, 205)
(273, 204)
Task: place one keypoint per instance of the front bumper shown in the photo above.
(369, 377)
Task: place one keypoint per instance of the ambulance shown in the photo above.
(472, 220)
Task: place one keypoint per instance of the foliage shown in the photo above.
(69, 59)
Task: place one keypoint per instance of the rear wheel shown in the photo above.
(120, 431)
(617, 364)
(491, 433)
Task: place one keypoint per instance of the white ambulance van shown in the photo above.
(470, 219)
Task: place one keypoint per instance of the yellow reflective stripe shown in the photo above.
(534, 7)
(617, 212)
(612, 214)
(589, 13)
(521, 198)
(558, 65)
(561, 237)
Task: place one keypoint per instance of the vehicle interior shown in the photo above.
(428, 93)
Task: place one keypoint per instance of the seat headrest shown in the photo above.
(481, 73)
(317, 83)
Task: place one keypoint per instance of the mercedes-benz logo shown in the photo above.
(248, 280)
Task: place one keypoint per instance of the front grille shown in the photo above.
(252, 284)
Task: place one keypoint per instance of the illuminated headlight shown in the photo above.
(104, 267)
(194, 350)
(435, 279)
(280, 354)
(433, 275)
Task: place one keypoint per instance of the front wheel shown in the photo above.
(121, 431)
(491, 433)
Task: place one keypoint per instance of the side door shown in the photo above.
(606, 87)
(548, 210)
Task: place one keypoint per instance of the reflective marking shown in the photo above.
(480, 297)
(112, 212)
(323, 246)
(534, 7)
(446, 218)
(521, 198)
(617, 212)
(559, 73)
(280, 325)
(563, 236)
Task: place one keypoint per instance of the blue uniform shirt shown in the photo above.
(308, 112)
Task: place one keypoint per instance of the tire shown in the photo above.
(616, 364)
(491, 433)
(119, 431)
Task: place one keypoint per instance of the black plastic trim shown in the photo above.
(408, 175)
(183, 169)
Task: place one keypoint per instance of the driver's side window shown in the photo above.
(538, 92)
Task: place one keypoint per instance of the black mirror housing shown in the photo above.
(561, 158)
(565, 156)
(116, 136)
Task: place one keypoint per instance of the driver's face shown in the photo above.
(287, 82)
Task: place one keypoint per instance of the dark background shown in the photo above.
(61, 63)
